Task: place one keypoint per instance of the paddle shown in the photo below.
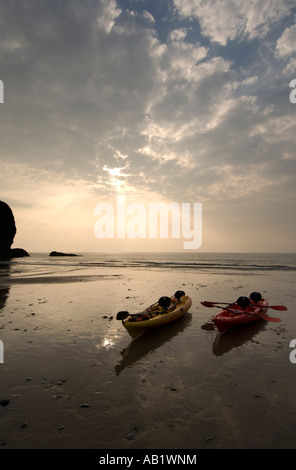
(261, 315)
(123, 314)
(207, 303)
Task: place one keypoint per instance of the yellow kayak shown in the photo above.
(163, 312)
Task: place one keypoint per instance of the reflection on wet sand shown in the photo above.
(4, 283)
(4, 293)
(236, 337)
(147, 343)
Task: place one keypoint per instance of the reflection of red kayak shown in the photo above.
(235, 315)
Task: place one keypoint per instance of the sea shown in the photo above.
(223, 263)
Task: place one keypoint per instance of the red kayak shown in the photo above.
(241, 312)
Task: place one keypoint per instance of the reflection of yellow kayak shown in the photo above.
(144, 345)
(163, 312)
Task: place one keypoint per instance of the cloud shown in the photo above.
(226, 20)
(180, 104)
(286, 44)
(108, 14)
(74, 85)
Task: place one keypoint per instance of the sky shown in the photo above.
(151, 101)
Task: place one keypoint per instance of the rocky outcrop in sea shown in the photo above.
(59, 253)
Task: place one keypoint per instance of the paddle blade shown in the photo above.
(122, 315)
(207, 304)
(267, 318)
(278, 307)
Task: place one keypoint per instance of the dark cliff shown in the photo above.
(7, 233)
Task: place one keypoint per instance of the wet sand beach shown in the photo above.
(72, 377)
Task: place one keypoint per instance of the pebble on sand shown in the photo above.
(4, 401)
